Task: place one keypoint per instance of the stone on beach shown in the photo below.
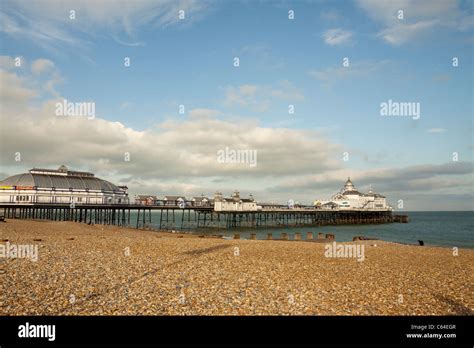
(106, 270)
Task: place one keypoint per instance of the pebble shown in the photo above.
(183, 274)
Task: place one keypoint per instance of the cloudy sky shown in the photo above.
(161, 120)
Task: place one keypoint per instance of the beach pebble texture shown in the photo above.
(106, 270)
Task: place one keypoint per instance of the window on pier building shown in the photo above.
(22, 198)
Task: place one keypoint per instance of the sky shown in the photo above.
(161, 121)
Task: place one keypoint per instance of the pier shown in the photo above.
(70, 195)
(189, 218)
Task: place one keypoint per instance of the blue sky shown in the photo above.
(282, 62)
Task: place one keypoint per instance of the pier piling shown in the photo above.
(168, 218)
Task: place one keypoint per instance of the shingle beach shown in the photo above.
(106, 270)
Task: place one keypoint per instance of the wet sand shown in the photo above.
(99, 270)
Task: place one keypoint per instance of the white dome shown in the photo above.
(348, 186)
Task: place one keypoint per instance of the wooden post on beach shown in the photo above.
(284, 236)
(236, 236)
(269, 236)
(253, 236)
(309, 235)
(320, 236)
(297, 236)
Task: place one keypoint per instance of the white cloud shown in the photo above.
(41, 65)
(436, 130)
(332, 75)
(337, 37)
(8, 63)
(48, 23)
(449, 179)
(331, 16)
(260, 97)
(203, 113)
(248, 90)
(401, 33)
(179, 152)
(420, 17)
(261, 56)
(125, 105)
(129, 44)
(14, 91)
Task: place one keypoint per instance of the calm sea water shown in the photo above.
(447, 229)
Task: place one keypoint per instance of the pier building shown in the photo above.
(351, 198)
(60, 186)
(234, 203)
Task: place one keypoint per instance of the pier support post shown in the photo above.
(297, 236)
(253, 236)
(284, 236)
(309, 235)
(269, 236)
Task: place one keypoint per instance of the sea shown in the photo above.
(442, 228)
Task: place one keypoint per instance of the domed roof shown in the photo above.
(59, 180)
(349, 186)
(352, 192)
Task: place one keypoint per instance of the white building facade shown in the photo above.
(350, 198)
(235, 203)
(60, 186)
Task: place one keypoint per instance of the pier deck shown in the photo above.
(189, 217)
